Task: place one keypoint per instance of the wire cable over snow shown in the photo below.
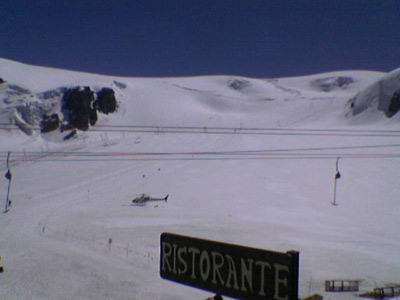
(346, 152)
(231, 130)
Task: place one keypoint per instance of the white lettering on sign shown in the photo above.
(182, 261)
(194, 251)
(218, 262)
(204, 261)
(232, 275)
(262, 265)
(280, 269)
(246, 274)
(222, 270)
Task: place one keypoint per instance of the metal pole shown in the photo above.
(337, 176)
(334, 193)
(8, 176)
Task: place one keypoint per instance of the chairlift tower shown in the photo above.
(8, 176)
(337, 176)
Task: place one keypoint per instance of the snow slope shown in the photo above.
(383, 95)
(245, 161)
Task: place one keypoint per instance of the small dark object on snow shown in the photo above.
(70, 135)
(8, 175)
(337, 175)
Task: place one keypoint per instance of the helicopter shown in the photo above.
(144, 198)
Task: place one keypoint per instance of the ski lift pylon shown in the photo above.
(337, 176)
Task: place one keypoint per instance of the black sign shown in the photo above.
(230, 270)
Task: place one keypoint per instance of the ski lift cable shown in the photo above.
(249, 128)
(161, 127)
(302, 157)
(210, 157)
(231, 130)
(228, 152)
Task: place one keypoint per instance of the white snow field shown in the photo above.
(244, 161)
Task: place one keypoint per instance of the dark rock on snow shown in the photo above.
(51, 94)
(106, 102)
(332, 83)
(77, 107)
(80, 106)
(17, 90)
(394, 105)
(49, 123)
(120, 85)
(239, 84)
(70, 135)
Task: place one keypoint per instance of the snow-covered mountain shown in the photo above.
(382, 95)
(247, 161)
(30, 93)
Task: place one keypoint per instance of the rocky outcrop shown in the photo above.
(106, 102)
(80, 106)
(17, 90)
(120, 85)
(239, 84)
(61, 108)
(394, 105)
(77, 107)
(332, 83)
(49, 123)
(383, 95)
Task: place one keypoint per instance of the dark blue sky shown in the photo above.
(254, 38)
